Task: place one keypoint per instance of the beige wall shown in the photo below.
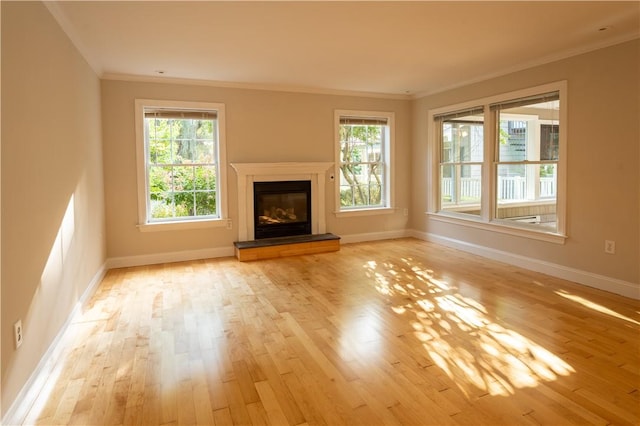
(52, 185)
(261, 126)
(603, 152)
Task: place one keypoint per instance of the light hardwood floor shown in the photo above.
(393, 332)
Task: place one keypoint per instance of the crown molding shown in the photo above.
(253, 86)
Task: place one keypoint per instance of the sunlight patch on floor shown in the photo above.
(595, 306)
(461, 335)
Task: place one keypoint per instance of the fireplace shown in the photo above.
(250, 173)
(282, 208)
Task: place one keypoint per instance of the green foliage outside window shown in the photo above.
(181, 167)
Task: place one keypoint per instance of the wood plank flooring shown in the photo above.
(399, 332)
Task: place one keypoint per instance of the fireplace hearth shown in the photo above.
(282, 208)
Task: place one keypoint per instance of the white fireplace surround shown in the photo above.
(248, 173)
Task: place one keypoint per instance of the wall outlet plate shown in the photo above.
(610, 247)
(18, 335)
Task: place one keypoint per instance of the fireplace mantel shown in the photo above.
(248, 173)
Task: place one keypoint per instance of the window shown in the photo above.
(499, 162)
(461, 157)
(180, 162)
(363, 155)
(527, 159)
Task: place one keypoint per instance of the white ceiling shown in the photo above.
(392, 48)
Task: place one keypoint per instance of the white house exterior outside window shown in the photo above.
(527, 154)
(364, 144)
(181, 164)
(499, 163)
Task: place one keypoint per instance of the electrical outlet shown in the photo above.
(610, 247)
(406, 212)
(18, 333)
(229, 224)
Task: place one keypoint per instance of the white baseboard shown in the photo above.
(178, 256)
(23, 402)
(601, 282)
(373, 236)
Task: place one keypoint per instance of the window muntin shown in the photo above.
(363, 146)
(527, 154)
(180, 150)
(461, 161)
(543, 194)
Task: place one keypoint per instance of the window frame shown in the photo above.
(460, 163)
(387, 191)
(142, 155)
(486, 219)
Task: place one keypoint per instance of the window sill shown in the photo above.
(365, 212)
(503, 228)
(183, 225)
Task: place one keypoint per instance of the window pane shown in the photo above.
(185, 151)
(528, 182)
(549, 141)
(184, 204)
(205, 178)
(183, 178)
(548, 180)
(161, 205)
(361, 195)
(461, 149)
(374, 152)
(205, 203)
(194, 143)
(346, 196)
(160, 151)
(203, 151)
(375, 194)
(352, 152)
(376, 172)
(513, 140)
(182, 162)
(205, 129)
(362, 164)
(463, 139)
(527, 194)
(160, 179)
(461, 188)
(529, 132)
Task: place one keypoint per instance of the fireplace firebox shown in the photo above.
(282, 208)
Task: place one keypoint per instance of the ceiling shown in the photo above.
(383, 47)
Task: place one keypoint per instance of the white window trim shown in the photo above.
(389, 195)
(143, 184)
(485, 221)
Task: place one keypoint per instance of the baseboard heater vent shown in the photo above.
(526, 219)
